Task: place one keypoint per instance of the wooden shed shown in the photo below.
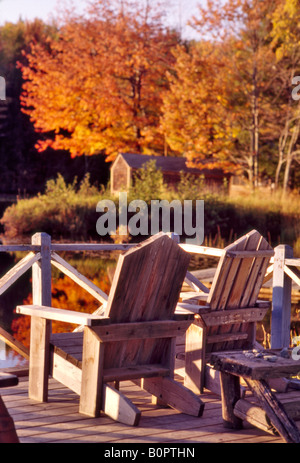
(126, 164)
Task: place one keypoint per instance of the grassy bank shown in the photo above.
(68, 212)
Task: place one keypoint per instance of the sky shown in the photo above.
(13, 10)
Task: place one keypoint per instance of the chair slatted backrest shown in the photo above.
(237, 283)
(146, 287)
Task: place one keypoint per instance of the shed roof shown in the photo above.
(166, 164)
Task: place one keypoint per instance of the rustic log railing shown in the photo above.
(42, 253)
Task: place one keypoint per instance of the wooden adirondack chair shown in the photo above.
(227, 320)
(134, 340)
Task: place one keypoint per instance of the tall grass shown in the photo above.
(277, 214)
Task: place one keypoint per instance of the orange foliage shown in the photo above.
(240, 31)
(196, 118)
(98, 86)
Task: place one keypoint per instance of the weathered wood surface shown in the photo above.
(174, 394)
(194, 283)
(237, 363)
(136, 341)
(274, 409)
(40, 328)
(256, 372)
(254, 414)
(281, 299)
(250, 410)
(68, 316)
(58, 420)
(230, 391)
(18, 270)
(231, 322)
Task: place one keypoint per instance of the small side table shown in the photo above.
(8, 433)
(234, 365)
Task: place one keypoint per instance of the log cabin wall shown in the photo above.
(126, 164)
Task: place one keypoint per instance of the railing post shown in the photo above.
(281, 299)
(40, 328)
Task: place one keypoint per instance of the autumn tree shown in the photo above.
(98, 86)
(196, 119)
(232, 90)
(286, 41)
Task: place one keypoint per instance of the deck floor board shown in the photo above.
(58, 420)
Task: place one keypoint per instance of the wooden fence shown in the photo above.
(42, 253)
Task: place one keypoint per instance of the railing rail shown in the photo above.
(42, 253)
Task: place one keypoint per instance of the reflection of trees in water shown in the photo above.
(65, 293)
(16, 293)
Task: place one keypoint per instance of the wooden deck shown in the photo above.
(58, 421)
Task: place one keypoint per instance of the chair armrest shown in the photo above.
(68, 316)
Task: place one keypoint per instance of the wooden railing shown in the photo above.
(42, 253)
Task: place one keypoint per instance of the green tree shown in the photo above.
(148, 183)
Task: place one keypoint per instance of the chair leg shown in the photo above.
(92, 374)
(195, 358)
(118, 407)
(230, 390)
(39, 359)
(174, 394)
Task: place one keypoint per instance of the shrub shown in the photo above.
(148, 183)
(63, 211)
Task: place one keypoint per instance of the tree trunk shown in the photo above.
(290, 156)
(278, 169)
(255, 129)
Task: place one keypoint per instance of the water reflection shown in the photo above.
(9, 358)
(65, 294)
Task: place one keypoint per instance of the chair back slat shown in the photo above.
(236, 285)
(238, 279)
